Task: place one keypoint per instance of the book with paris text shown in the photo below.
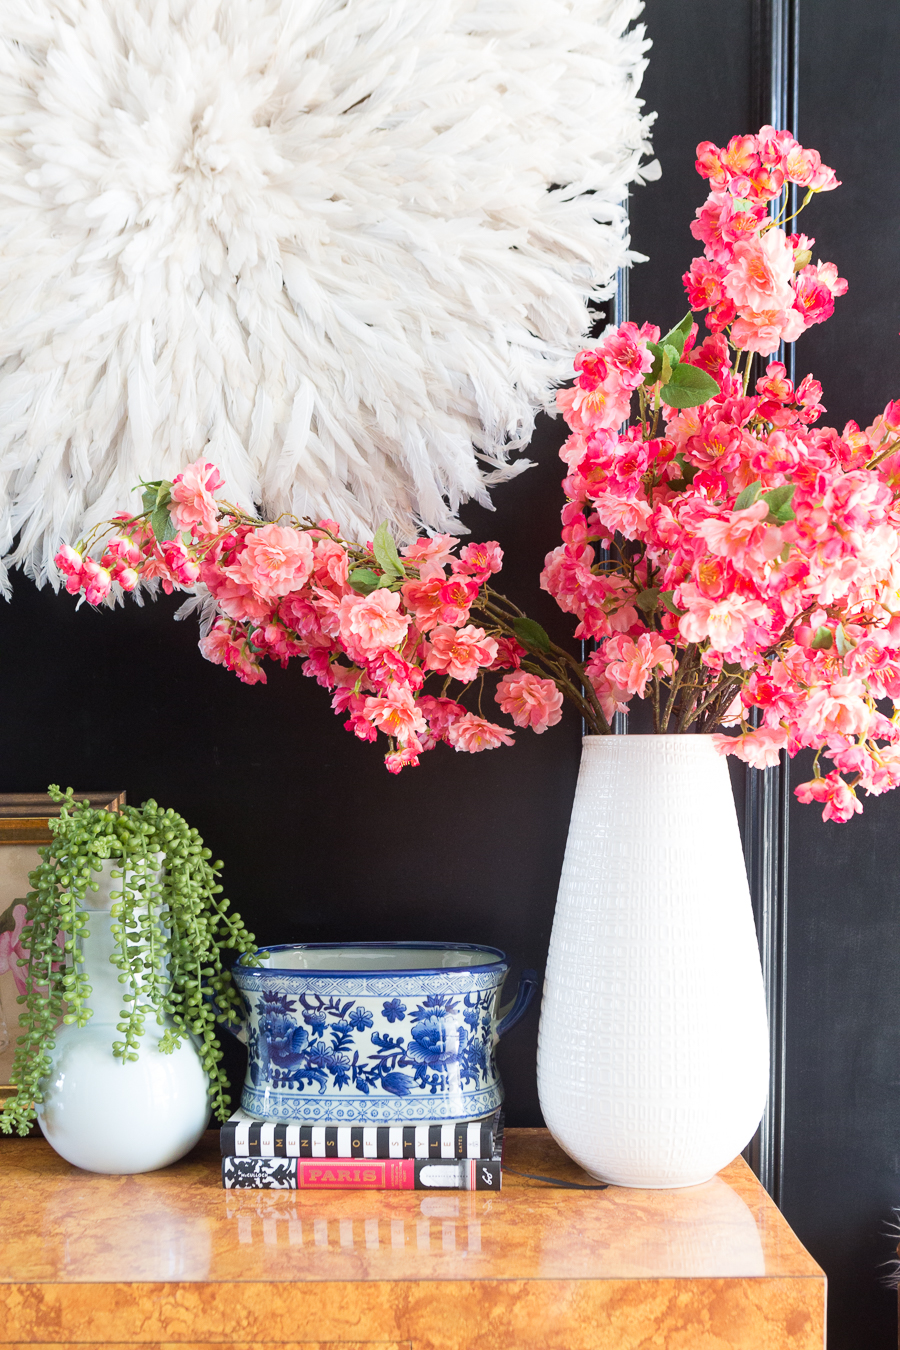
(242, 1136)
(361, 1174)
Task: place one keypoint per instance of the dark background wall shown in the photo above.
(320, 843)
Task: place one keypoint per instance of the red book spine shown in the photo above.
(364, 1174)
(376, 1174)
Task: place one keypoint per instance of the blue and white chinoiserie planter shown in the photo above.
(376, 1032)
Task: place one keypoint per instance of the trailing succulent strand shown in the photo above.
(170, 933)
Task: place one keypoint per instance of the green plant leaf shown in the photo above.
(648, 599)
(653, 373)
(668, 599)
(748, 496)
(778, 501)
(148, 497)
(688, 473)
(688, 387)
(385, 551)
(678, 336)
(842, 642)
(531, 634)
(161, 524)
(363, 580)
(740, 204)
(823, 640)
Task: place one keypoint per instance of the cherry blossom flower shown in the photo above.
(633, 663)
(530, 701)
(193, 504)
(373, 622)
(473, 733)
(840, 801)
(760, 272)
(397, 714)
(460, 653)
(275, 560)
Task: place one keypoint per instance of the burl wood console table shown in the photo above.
(169, 1259)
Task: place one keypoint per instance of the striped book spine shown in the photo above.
(243, 1137)
(375, 1174)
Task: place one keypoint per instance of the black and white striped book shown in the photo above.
(244, 1137)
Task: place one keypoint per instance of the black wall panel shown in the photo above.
(842, 1138)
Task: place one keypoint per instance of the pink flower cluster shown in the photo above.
(754, 279)
(733, 563)
(731, 557)
(289, 590)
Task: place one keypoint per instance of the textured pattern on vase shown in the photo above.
(653, 1047)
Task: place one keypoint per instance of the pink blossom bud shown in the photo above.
(120, 549)
(180, 563)
(97, 581)
(69, 561)
(127, 578)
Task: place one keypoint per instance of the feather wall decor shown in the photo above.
(344, 246)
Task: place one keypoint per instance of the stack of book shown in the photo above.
(263, 1155)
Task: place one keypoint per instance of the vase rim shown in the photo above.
(696, 736)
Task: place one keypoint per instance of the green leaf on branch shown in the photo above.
(653, 373)
(161, 524)
(531, 634)
(647, 600)
(156, 493)
(749, 496)
(385, 551)
(688, 387)
(823, 640)
(778, 501)
(363, 580)
(688, 473)
(842, 642)
(678, 336)
(668, 599)
(740, 204)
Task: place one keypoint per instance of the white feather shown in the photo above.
(345, 247)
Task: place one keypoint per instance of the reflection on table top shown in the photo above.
(59, 1224)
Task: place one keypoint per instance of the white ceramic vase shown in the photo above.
(99, 1112)
(653, 1045)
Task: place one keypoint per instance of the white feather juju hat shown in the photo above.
(342, 247)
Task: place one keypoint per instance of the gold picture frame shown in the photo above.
(24, 828)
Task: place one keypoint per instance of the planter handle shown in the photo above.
(515, 1011)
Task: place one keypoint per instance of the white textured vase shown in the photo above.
(99, 1112)
(653, 1045)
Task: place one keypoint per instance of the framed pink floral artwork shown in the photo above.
(24, 829)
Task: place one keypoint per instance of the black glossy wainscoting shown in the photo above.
(320, 843)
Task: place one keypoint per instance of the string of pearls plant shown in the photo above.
(170, 930)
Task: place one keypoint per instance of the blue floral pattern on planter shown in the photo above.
(450, 1039)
